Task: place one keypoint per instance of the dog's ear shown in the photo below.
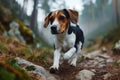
(47, 20)
(73, 14)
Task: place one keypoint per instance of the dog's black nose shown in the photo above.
(54, 29)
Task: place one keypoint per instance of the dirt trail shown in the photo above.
(105, 65)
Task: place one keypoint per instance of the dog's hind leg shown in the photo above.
(73, 60)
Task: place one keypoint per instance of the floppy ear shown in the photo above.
(73, 16)
(47, 20)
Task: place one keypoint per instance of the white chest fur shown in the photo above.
(65, 40)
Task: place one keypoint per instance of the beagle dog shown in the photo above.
(69, 37)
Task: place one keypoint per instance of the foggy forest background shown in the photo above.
(23, 38)
(96, 17)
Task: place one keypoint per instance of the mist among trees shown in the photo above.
(26, 47)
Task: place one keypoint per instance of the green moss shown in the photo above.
(5, 75)
(26, 51)
(25, 32)
(30, 68)
(45, 53)
(43, 56)
(113, 35)
(13, 64)
(10, 71)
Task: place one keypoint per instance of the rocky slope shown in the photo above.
(100, 64)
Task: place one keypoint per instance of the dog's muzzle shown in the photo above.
(54, 29)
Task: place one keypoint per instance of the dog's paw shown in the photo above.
(72, 62)
(54, 69)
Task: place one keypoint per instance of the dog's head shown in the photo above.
(60, 20)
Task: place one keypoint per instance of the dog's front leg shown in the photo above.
(69, 53)
(56, 59)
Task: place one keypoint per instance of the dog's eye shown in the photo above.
(61, 18)
(51, 20)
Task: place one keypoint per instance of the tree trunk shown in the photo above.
(10, 3)
(33, 23)
(23, 9)
(45, 6)
(93, 12)
(103, 8)
(116, 10)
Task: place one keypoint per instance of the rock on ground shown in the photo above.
(85, 75)
(35, 69)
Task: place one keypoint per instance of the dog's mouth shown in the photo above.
(55, 31)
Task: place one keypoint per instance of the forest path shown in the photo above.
(104, 64)
(101, 64)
